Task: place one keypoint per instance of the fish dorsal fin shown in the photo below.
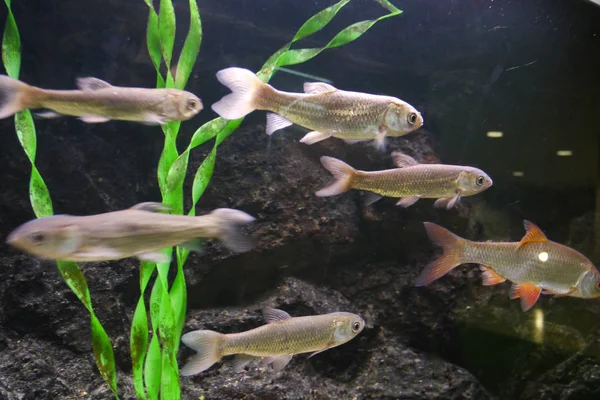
(533, 234)
(318, 87)
(151, 206)
(92, 84)
(274, 315)
(402, 160)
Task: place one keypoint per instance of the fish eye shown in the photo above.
(191, 105)
(356, 326)
(38, 238)
(598, 285)
(480, 180)
(412, 118)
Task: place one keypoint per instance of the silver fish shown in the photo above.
(99, 101)
(275, 343)
(141, 231)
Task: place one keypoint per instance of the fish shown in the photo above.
(411, 181)
(534, 265)
(328, 111)
(275, 343)
(140, 231)
(98, 101)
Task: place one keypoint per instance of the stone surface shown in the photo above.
(452, 340)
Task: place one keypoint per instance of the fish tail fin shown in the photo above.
(207, 345)
(15, 96)
(452, 257)
(230, 222)
(343, 174)
(246, 90)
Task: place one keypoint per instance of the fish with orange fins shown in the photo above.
(535, 265)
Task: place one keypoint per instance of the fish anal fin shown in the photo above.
(371, 198)
(92, 84)
(402, 160)
(527, 292)
(407, 201)
(318, 87)
(314, 137)
(276, 122)
(271, 315)
(151, 206)
(240, 361)
(278, 362)
(533, 234)
(490, 277)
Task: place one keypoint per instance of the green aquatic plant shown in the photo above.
(42, 206)
(154, 363)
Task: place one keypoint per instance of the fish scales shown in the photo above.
(348, 115)
(293, 336)
(328, 111)
(534, 265)
(429, 181)
(562, 269)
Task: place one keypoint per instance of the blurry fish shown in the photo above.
(140, 231)
(535, 265)
(276, 343)
(99, 101)
(328, 111)
(410, 181)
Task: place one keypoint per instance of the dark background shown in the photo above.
(527, 68)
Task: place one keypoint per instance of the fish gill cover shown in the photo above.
(154, 366)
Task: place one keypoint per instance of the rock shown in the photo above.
(369, 366)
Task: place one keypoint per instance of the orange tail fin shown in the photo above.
(452, 245)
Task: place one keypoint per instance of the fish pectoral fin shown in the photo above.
(153, 119)
(48, 114)
(278, 362)
(240, 361)
(276, 122)
(371, 198)
(380, 142)
(151, 206)
(533, 234)
(527, 292)
(314, 137)
(92, 84)
(94, 119)
(317, 352)
(154, 256)
(196, 245)
(402, 160)
(571, 291)
(318, 87)
(407, 201)
(271, 315)
(490, 277)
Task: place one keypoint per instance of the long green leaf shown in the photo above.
(191, 47)
(42, 206)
